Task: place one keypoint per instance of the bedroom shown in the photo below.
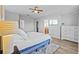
(59, 21)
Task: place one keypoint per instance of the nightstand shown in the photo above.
(1, 45)
(4, 43)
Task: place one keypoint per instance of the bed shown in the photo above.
(33, 42)
(14, 39)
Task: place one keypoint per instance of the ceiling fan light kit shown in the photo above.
(36, 10)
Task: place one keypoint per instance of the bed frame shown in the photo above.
(30, 49)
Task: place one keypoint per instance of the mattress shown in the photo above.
(32, 39)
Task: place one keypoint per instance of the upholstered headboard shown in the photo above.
(7, 27)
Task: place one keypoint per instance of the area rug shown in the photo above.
(52, 48)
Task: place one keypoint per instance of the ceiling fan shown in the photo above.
(36, 10)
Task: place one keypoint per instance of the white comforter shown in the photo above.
(32, 39)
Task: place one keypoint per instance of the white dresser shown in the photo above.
(70, 33)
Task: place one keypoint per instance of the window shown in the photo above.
(53, 22)
(50, 22)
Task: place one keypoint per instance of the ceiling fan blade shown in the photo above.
(30, 9)
(35, 7)
(40, 10)
(33, 11)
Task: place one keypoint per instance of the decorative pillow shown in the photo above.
(21, 33)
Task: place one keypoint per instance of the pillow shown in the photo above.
(17, 37)
(21, 33)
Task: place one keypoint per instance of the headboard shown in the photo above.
(8, 27)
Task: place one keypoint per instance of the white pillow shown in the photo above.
(17, 37)
(21, 33)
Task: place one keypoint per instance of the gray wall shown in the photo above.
(78, 18)
(11, 16)
(28, 21)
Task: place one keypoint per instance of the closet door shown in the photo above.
(29, 25)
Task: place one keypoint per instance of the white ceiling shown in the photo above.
(48, 9)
